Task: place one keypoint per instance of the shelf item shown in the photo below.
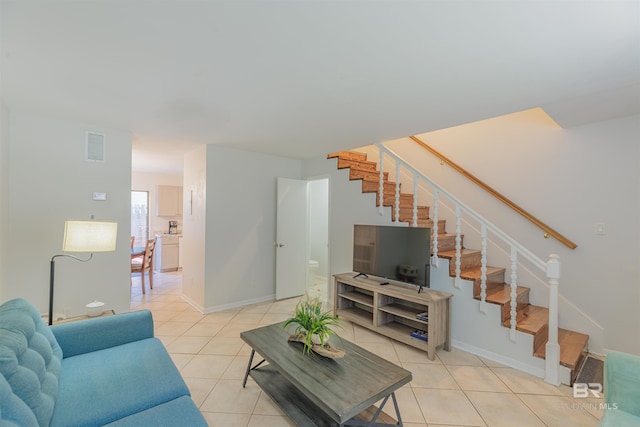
(423, 316)
(420, 334)
(396, 310)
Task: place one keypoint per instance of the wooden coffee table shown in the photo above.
(316, 391)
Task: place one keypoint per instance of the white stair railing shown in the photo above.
(434, 257)
(483, 269)
(550, 268)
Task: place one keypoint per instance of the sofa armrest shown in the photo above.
(622, 382)
(103, 332)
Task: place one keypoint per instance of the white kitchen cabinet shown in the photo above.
(169, 200)
(167, 254)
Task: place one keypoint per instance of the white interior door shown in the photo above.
(291, 238)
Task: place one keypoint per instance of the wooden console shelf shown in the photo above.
(393, 310)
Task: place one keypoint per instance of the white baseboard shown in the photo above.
(222, 307)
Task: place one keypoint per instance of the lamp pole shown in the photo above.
(51, 279)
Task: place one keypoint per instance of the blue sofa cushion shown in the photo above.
(621, 390)
(30, 363)
(103, 332)
(13, 411)
(104, 386)
(616, 418)
(178, 412)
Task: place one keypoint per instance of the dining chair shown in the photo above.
(145, 263)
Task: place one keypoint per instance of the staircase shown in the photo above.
(530, 319)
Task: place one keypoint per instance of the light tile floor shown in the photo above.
(457, 389)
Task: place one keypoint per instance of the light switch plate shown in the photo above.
(99, 196)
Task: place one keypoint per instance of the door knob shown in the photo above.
(279, 245)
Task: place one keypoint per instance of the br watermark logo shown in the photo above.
(586, 390)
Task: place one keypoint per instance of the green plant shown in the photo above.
(312, 321)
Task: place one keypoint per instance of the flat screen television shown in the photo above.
(392, 252)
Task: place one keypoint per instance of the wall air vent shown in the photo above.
(96, 146)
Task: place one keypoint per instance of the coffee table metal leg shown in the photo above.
(373, 422)
(249, 368)
(395, 405)
(246, 374)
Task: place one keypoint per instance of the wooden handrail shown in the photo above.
(549, 232)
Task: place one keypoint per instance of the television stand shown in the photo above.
(398, 311)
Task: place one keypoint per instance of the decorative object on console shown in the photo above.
(87, 237)
(314, 328)
(95, 308)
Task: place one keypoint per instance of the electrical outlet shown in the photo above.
(601, 228)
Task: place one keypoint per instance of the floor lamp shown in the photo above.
(86, 237)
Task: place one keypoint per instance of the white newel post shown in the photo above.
(552, 348)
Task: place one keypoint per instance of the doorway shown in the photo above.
(302, 238)
(318, 232)
(140, 217)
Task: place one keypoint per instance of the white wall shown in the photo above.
(50, 182)
(239, 225)
(144, 181)
(4, 199)
(571, 179)
(194, 227)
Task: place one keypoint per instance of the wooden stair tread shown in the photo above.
(476, 272)
(502, 294)
(375, 178)
(353, 155)
(428, 223)
(357, 164)
(444, 236)
(452, 254)
(572, 347)
(531, 319)
(369, 186)
(372, 175)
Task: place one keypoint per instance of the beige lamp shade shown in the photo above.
(89, 236)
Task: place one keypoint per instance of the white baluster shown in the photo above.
(457, 280)
(552, 348)
(483, 270)
(434, 230)
(381, 188)
(415, 199)
(514, 293)
(397, 206)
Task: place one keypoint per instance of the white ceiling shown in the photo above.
(305, 78)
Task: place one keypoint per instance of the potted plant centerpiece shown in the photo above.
(314, 328)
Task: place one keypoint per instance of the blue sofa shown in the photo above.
(621, 390)
(103, 371)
